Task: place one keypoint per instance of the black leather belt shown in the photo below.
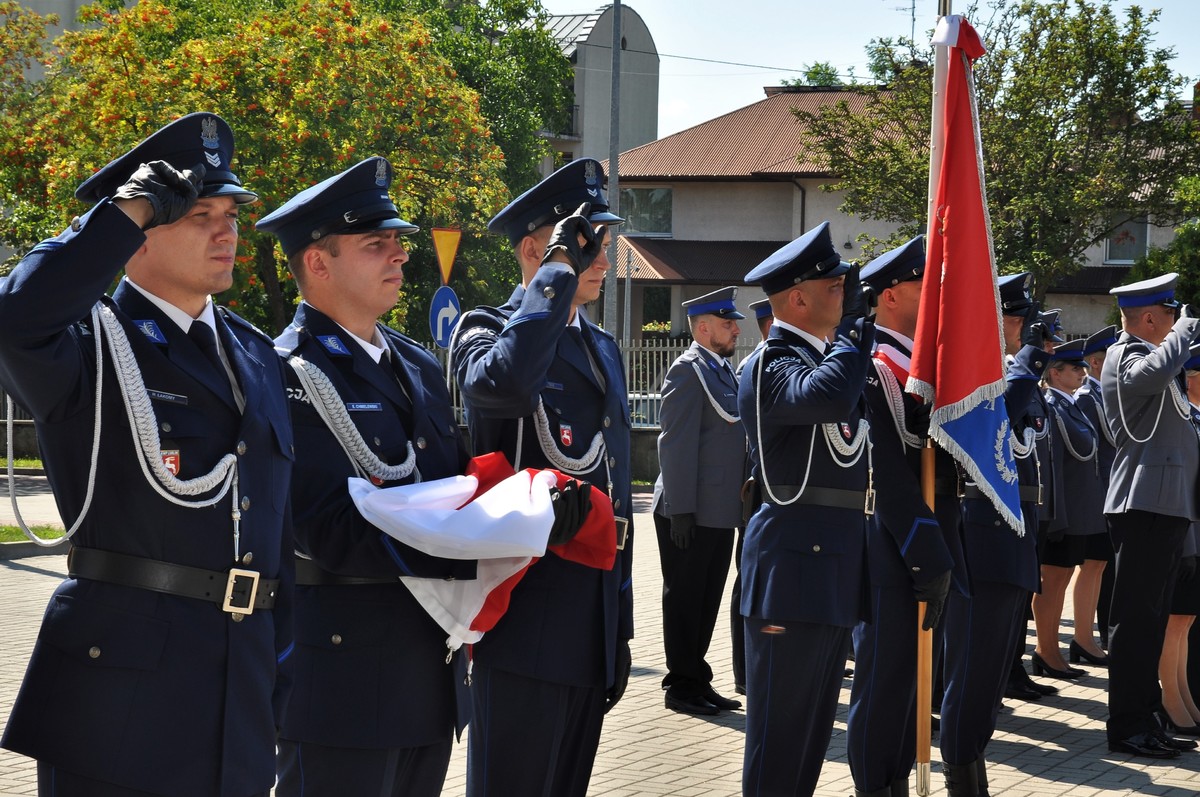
(309, 574)
(236, 591)
(822, 496)
(1028, 493)
(947, 486)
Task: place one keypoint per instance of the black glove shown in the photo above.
(854, 298)
(622, 667)
(1034, 331)
(920, 418)
(565, 239)
(683, 528)
(933, 594)
(1187, 568)
(571, 506)
(170, 192)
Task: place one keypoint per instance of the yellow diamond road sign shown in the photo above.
(445, 243)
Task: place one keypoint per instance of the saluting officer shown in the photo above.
(803, 561)
(546, 386)
(1151, 500)
(156, 670)
(982, 631)
(373, 707)
(910, 552)
(697, 498)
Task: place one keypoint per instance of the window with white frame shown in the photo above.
(1127, 241)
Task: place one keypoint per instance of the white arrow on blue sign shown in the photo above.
(443, 315)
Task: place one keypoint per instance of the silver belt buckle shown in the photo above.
(239, 599)
(622, 532)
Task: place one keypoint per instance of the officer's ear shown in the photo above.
(531, 249)
(316, 263)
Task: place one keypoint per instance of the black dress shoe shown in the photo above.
(690, 704)
(1019, 690)
(1040, 667)
(723, 703)
(1042, 689)
(1075, 652)
(1144, 745)
(1166, 740)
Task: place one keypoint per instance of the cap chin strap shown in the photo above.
(143, 427)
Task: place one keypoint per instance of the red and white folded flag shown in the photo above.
(492, 514)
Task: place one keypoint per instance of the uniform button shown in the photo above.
(245, 502)
(816, 549)
(607, 422)
(421, 443)
(450, 428)
(166, 427)
(995, 522)
(336, 639)
(617, 504)
(248, 558)
(241, 447)
(612, 462)
(917, 569)
(378, 442)
(76, 226)
(548, 291)
(448, 578)
(237, 618)
(93, 652)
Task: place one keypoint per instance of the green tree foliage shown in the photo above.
(821, 73)
(309, 87)
(1080, 122)
(1182, 255)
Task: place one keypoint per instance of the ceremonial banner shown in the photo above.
(958, 353)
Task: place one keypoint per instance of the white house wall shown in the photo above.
(639, 85)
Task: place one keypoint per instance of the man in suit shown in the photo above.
(1090, 400)
(803, 563)
(544, 385)
(910, 552)
(1150, 503)
(373, 707)
(697, 498)
(156, 670)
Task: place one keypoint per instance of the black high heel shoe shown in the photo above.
(1076, 652)
(1040, 667)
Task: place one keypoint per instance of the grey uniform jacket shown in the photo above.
(1152, 472)
(701, 454)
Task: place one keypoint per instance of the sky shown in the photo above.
(766, 41)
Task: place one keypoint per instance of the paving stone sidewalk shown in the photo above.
(1052, 747)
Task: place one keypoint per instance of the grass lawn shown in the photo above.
(20, 463)
(14, 533)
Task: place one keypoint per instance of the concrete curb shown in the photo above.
(21, 550)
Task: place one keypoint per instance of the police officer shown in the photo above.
(546, 386)
(982, 631)
(1151, 500)
(804, 556)
(1091, 402)
(155, 671)
(910, 552)
(697, 498)
(373, 708)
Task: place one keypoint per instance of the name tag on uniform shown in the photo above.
(554, 386)
(169, 398)
(364, 406)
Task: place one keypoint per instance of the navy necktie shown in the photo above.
(206, 340)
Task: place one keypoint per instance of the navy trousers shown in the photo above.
(314, 770)
(531, 738)
(980, 633)
(793, 677)
(1149, 547)
(54, 782)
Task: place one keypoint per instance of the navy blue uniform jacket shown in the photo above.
(801, 562)
(565, 619)
(150, 691)
(906, 545)
(369, 664)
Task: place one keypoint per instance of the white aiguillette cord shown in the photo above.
(143, 427)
